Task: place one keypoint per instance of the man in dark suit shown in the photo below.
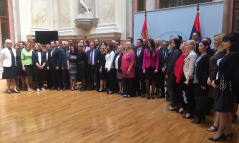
(140, 84)
(64, 66)
(97, 78)
(54, 64)
(92, 55)
(163, 58)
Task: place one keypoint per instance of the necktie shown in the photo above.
(91, 57)
(138, 52)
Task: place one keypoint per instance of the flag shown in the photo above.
(144, 32)
(196, 26)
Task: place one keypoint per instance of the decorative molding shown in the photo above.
(86, 23)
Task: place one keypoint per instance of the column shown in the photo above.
(227, 17)
(1, 68)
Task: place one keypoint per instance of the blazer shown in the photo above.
(119, 62)
(64, 60)
(149, 60)
(35, 58)
(96, 54)
(163, 57)
(109, 58)
(171, 60)
(139, 59)
(6, 58)
(202, 70)
(189, 65)
(54, 60)
(101, 60)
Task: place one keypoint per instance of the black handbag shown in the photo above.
(201, 101)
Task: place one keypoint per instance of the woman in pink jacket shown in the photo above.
(150, 67)
(128, 70)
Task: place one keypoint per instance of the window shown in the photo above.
(236, 16)
(174, 3)
(4, 21)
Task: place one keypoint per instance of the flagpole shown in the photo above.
(198, 7)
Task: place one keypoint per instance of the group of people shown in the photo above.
(191, 75)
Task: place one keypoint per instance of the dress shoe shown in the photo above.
(221, 137)
(53, 88)
(199, 120)
(58, 89)
(63, 89)
(9, 92)
(229, 136)
(16, 91)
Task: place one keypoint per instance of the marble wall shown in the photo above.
(39, 13)
(106, 11)
(64, 13)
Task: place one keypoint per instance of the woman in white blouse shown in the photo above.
(188, 70)
(110, 68)
(8, 59)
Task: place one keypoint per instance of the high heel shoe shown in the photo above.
(16, 91)
(199, 120)
(229, 136)
(188, 117)
(221, 137)
(152, 96)
(213, 128)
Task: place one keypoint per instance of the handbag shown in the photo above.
(201, 101)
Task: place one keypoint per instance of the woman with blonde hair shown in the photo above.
(39, 63)
(8, 59)
(158, 42)
(102, 71)
(188, 70)
(212, 66)
(26, 57)
(128, 70)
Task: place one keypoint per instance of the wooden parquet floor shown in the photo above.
(92, 117)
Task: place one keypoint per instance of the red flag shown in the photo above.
(144, 32)
(196, 25)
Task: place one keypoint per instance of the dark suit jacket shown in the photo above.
(171, 61)
(97, 52)
(54, 60)
(139, 60)
(119, 62)
(64, 59)
(163, 58)
(202, 70)
(35, 58)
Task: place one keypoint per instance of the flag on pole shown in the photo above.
(144, 32)
(196, 25)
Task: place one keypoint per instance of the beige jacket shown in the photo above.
(189, 65)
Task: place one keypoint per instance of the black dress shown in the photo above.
(10, 72)
(82, 62)
(224, 98)
(20, 72)
(101, 60)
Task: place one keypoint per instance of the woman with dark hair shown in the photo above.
(26, 57)
(20, 73)
(104, 43)
(82, 63)
(72, 65)
(39, 62)
(128, 70)
(223, 81)
(109, 57)
(178, 71)
(169, 73)
(188, 70)
(102, 71)
(8, 59)
(117, 65)
(150, 67)
(86, 46)
(201, 88)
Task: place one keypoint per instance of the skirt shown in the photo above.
(73, 70)
(119, 75)
(150, 75)
(29, 70)
(224, 101)
(9, 72)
